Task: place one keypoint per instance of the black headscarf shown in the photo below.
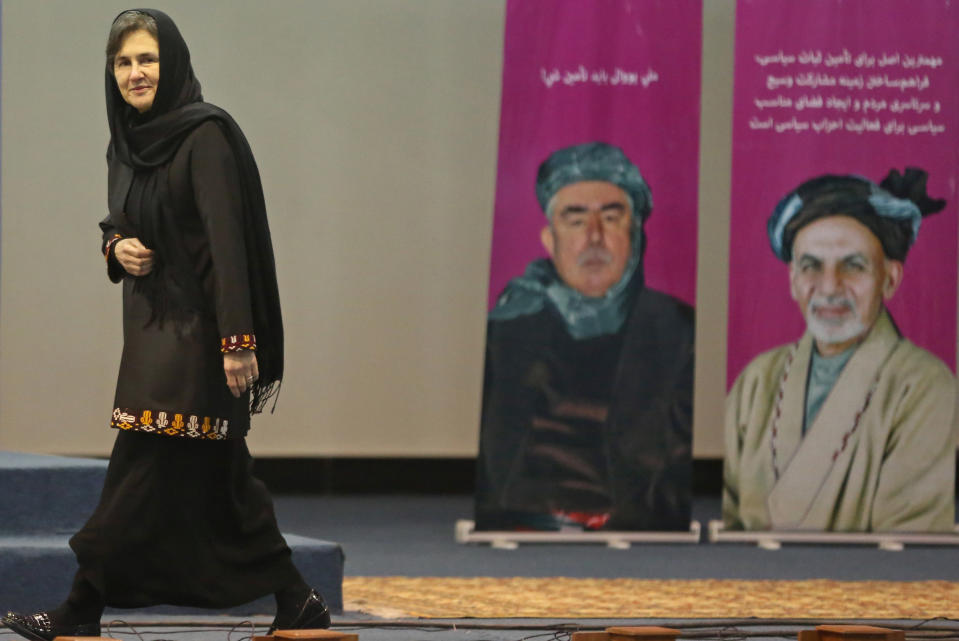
(147, 143)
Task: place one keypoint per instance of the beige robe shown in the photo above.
(890, 468)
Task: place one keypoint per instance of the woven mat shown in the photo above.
(484, 597)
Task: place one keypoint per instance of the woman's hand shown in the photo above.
(133, 256)
(241, 371)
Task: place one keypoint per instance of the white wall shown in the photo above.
(374, 123)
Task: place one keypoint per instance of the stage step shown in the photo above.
(42, 494)
(37, 572)
(45, 499)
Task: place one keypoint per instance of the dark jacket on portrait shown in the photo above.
(586, 427)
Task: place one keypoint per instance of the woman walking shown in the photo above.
(181, 519)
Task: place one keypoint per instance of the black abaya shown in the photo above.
(182, 522)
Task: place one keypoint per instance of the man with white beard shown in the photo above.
(852, 428)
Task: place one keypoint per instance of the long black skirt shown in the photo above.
(182, 522)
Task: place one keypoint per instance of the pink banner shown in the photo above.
(588, 386)
(842, 87)
(625, 73)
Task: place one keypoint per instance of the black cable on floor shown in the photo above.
(938, 629)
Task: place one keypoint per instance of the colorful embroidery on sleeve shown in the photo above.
(238, 342)
(109, 246)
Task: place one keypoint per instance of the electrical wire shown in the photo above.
(934, 629)
(938, 627)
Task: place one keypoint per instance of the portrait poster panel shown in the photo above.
(842, 316)
(587, 403)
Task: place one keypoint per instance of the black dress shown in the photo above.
(181, 520)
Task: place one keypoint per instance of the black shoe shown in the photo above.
(313, 615)
(39, 627)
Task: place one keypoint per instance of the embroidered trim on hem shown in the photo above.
(170, 424)
(238, 342)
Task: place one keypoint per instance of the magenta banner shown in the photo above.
(622, 72)
(842, 87)
(588, 389)
(842, 270)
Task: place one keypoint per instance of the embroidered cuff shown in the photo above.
(237, 343)
(109, 246)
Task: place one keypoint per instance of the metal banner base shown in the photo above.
(773, 539)
(465, 532)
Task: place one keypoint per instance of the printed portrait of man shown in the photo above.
(852, 427)
(587, 402)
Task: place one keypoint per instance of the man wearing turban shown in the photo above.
(587, 403)
(852, 428)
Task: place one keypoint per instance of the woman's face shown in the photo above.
(136, 68)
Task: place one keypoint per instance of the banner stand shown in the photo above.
(465, 532)
(773, 539)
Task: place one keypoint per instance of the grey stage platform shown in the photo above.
(44, 499)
